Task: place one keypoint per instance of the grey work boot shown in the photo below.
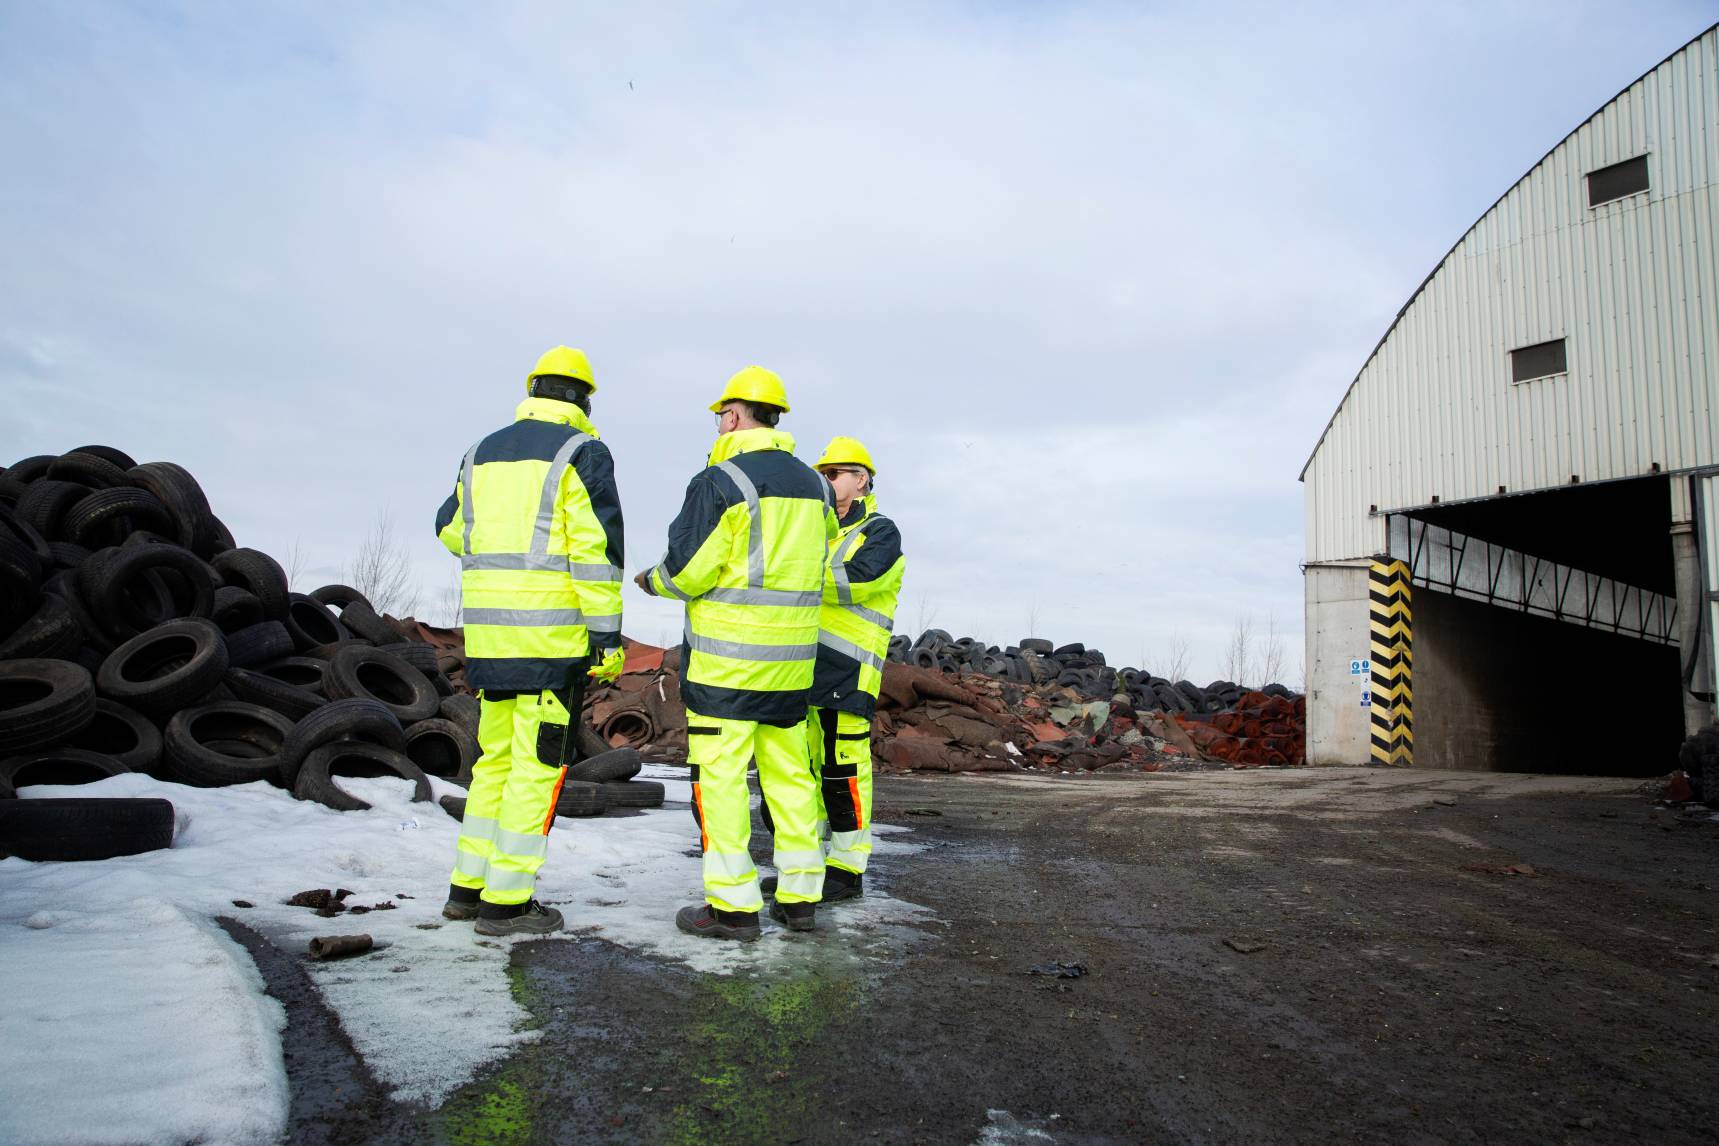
(462, 904)
(708, 922)
(838, 885)
(795, 916)
(525, 919)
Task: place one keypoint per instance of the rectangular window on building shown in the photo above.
(1617, 181)
(1542, 360)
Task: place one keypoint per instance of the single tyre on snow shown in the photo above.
(166, 668)
(615, 764)
(634, 793)
(43, 702)
(582, 798)
(357, 718)
(317, 778)
(84, 829)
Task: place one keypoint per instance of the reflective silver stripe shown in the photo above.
(839, 562)
(754, 543)
(847, 648)
(851, 849)
(799, 861)
(882, 621)
(786, 598)
(505, 879)
(470, 865)
(594, 572)
(541, 562)
(749, 652)
(551, 484)
(520, 845)
(466, 514)
(523, 618)
(728, 867)
(669, 586)
(610, 624)
(477, 828)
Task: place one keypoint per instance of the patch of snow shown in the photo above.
(131, 936)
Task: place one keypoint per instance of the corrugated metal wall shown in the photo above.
(1633, 287)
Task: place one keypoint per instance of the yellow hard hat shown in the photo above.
(846, 452)
(753, 384)
(563, 362)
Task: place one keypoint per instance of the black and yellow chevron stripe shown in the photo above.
(1391, 622)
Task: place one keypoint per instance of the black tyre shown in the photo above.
(463, 709)
(318, 777)
(66, 555)
(634, 793)
(87, 470)
(59, 766)
(310, 623)
(109, 516)
(84, 829)
(259, 575)
(21, 574)
(31, 468)
(922, 657)
(64, 585)
(1037, 645)
(338, 596)
(256, 688)
(213, 745)
(123, 734)
(415, 653)
(51, 631)
(329, 652)
(43, 702)
(582, 798)
(176, 489)
(454, 806)
(125, 599)
(236, 609)
(366, 623)
(166, 668)
(44, 505)
(441, 748)
(108, 454)
(11, 489)
(307, 673)
(362, 719)
(361, 671)
(615, 764)
(258, 645)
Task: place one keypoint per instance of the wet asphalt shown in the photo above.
(1301, 957)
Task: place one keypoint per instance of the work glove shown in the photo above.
(608, 666)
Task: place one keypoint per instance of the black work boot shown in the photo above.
(462, 904)
(507, 919)
(840, 884)
(795, 916)
(709, 922)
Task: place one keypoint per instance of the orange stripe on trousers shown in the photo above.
(859, 816)
(554, 800)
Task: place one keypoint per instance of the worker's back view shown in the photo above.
(535, 519)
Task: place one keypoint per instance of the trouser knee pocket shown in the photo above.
(841, 796)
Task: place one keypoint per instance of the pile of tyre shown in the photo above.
(1037, 662)
(136, 636)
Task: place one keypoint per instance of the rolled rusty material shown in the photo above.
(633, 724)
(340, 946)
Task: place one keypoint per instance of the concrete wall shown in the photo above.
(1338, 725)
(1498, 690)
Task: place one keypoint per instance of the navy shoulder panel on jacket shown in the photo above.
(778, 473)
(880, 551)
(527, 440)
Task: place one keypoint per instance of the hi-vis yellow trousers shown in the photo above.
(839, 746)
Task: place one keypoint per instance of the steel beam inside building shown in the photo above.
(1477, 570)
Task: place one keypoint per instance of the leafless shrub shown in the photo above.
(1238, 654)
(381, 571)
(1271, 655)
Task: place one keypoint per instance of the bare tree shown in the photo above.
(295, 562)
(1271, 654)
(450, 603)
(1176, 666)
(381, 571)
(1033, 618)
(1238, 654)
(927, 615)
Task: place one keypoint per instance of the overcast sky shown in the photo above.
(1088, 279)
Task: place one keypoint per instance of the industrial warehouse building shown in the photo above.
(1510, 517)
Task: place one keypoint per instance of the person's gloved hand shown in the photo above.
(608, 666)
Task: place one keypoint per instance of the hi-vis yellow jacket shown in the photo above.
(860, 593)
(536, 522)
(746, 553)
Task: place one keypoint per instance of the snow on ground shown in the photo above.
(115, 972)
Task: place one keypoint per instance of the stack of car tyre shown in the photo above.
(136, 636)
(1037, 662)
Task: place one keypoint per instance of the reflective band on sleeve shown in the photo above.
(521, 845)
(848, 648)
(594, 572)
(669, 586)
(881, 620)
(785, 598)
(523, 618)
(477, 828)
(466, 514)
(749, 652)
(552, 484)
(609, 624)
(755, 542)
(504, 880)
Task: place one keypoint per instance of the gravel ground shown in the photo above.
(1269, 956)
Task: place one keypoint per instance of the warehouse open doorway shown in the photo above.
(1544, 633)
